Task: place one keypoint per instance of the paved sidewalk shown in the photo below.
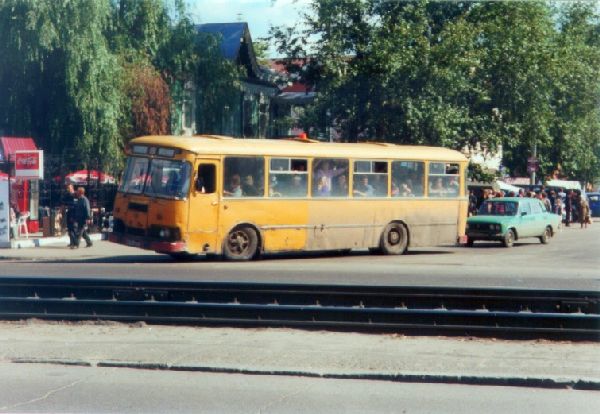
(304, 353)
(60, 251)
(36, 241)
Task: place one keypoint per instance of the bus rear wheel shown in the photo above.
(394, 239)
(241, 244)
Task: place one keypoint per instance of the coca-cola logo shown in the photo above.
(27, 161)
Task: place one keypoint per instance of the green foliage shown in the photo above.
(218, 84)
(476, 173)
(520, 74)
(58, 77)
(83, 77)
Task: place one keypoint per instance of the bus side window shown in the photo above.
(330, 177)
(207, 179)
(407, 178)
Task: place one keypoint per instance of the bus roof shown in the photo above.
(214, 144)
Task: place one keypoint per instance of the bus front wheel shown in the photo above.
(394, 239)
(241, 244)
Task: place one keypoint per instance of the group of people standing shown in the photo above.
(78, 216)
(572, 205)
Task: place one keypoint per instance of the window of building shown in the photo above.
(244, 177)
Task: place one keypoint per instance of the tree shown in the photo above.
(58, 77)
(521, 74)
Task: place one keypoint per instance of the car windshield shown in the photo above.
(498, 208)
(158, 177)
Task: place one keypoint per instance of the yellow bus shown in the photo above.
(243, 197)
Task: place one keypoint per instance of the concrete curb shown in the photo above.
(49, 241)
(428, 378)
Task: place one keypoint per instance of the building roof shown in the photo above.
(232, 35)
(9, 145)
(210, 145)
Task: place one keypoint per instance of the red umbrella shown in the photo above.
(82, 176)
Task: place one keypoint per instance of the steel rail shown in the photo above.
(471, 311)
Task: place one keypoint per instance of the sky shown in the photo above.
(260, 14)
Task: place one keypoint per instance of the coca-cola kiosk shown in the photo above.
(20, 158)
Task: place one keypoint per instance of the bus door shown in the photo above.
(204, 208)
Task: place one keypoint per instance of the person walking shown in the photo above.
(584, 212)
(69, 210)
(568, 207)
(83, 215)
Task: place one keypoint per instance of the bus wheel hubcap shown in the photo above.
(394, 237)
(239, 242)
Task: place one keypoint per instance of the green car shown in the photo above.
(512, 218)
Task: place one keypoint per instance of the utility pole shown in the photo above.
(532, 163)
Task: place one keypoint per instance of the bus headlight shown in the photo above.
(165, 233)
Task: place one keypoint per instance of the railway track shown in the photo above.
(510, 313)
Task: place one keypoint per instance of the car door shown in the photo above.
(538, 212)
(526, 220)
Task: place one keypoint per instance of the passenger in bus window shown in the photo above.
(297, 188)
(395, 189)
(453, 186)
(274, 190)
(172, 183)
(364, 189)
(341, 186)
(235, 189)
(405, 190)
(324, 177)
(323, 187)
(437, 188)
(380, 185)
(248, 187)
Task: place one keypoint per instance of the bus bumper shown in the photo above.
(148, 244)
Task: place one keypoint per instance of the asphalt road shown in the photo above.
(59, 389)
(570, 261)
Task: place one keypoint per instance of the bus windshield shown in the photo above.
(158, 177)
(498, 208)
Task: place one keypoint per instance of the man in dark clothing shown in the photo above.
(83, 215)
(69, 207)
(568, 207)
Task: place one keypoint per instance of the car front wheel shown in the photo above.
(509, 238)
(545, 238)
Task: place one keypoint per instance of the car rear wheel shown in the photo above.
(545, 238)
(509, 238)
